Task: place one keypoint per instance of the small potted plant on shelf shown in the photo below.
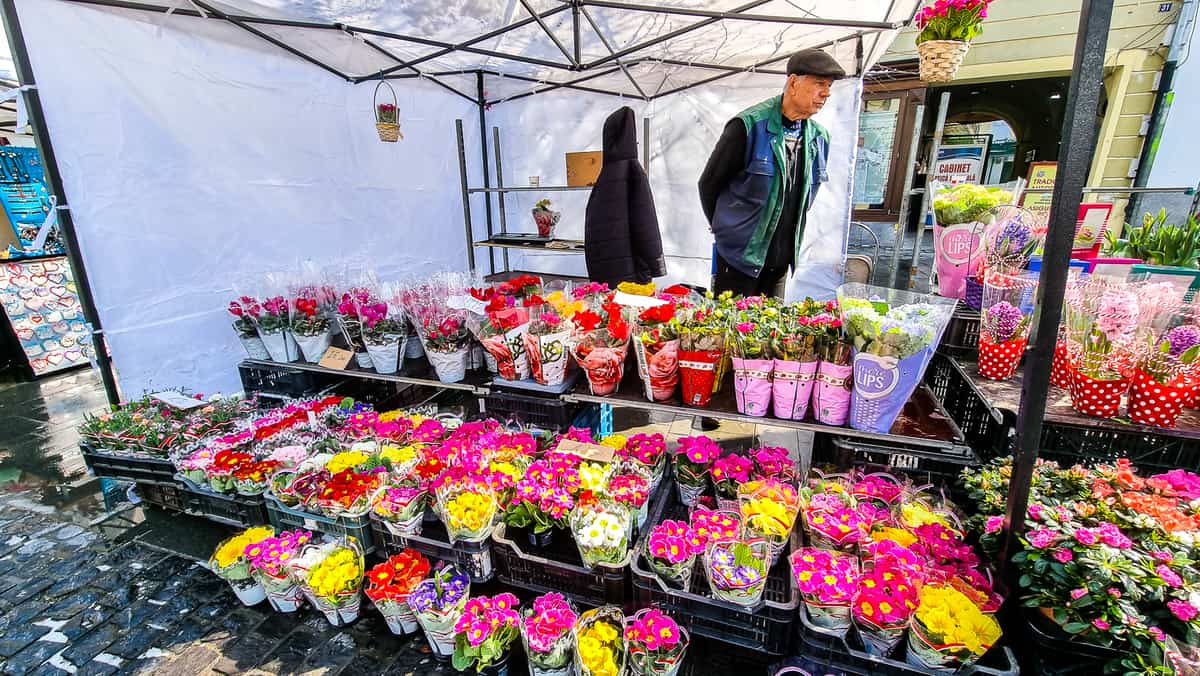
(485, 632)
(545, 218)
(947, 28)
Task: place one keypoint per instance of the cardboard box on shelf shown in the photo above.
(583, 168)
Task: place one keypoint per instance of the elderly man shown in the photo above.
(763, 176)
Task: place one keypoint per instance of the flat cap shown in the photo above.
(815, 62)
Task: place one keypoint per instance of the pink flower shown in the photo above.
(1079, 593)
(1042, 538)
(1182, 609)
(1114, 592)
(1165, 557)
(994, 524)
(1063, 555)
(1085, 536)
(1169, 576)
(1157, 633)
(1101, 624)
(1035, 510)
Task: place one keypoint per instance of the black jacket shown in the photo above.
(621, 234)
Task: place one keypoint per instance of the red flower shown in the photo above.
(660, 314)
(307, 305)
(587, 320)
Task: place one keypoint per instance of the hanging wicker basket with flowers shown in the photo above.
(947, 28)
(387, 115)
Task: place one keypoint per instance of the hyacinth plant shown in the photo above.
(952, 20)
(1004, 322)
(1178, 348)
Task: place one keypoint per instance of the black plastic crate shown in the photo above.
(280, 381)
(474, 558)
(766, 629)
(230, 509)
(940, 468)
(1048, 650)
(173, 498)
(284, 518)
(961, 338)
(129, 465)
(1151, 452)
(846, 654)
(557, 568)
(545, 412)
(706, 657)
(987, 430)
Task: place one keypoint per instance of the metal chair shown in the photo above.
(859, 267)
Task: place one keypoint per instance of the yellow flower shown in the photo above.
(949, 615)
(897, 535)
(915, 515)
(593, 476)
(232, 550)
(397, 455)
(635, 289)
(345, 460)
(615, 441)
(470, 511)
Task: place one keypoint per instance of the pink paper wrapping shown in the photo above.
(831, 393)
(792, 388)
(752, 385)
(957, 253)
(604, 367)
(658, 365)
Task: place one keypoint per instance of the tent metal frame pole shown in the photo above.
(466, 196)
(570, 84)
(487, 181)
(571, 58)
(906, 198)
(1075, 159)
(576, 47)
(450, 47)
(500, 194)
(926, 196)
(66, 224)
(737, 15)
(415, 73)
(608, 46)
(278, 43)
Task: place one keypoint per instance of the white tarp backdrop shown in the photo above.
(197, 156)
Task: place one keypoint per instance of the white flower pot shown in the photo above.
(280, 345)
(248, 591)
(255, 349)
(313, 347)
(363, 359)
(451, 367)
(414, 350)
(287, 602)
(386, 355)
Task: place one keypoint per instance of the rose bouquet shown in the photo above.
(384, 333)
(599, 345)
(246, 312)
(602, 531)
(270, 564)
(656, 643)
(468, 510)
(502, 332)
(728, 472)
(389, 585)
(600, 642)
(693, 457)
(671, 552)
(331, 576)
(438, 603)
(769, 509)
(485, 631)
(894, 335)
(310, 325)
(702, 332)
(794, 343)
(1008, 302)
(948, 629)
(834, 378)
(273, 325)
(546, 345)
(737, 570)
(546, 626)
(753, 362)
(231, 563)
(657, 348)
(827, 582)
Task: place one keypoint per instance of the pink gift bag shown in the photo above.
(792, 388)
(831, 393)
(752, 385)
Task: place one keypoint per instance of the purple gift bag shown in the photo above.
(882, 385)
(831, 392)
(752, 385)
(792, 388)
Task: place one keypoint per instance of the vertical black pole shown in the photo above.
(66, 225)
(1074, 161)
(575, 30)
(487, 177)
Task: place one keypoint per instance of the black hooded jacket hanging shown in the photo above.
(621, 234)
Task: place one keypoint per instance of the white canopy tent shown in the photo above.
(202, 145)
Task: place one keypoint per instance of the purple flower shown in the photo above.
(1063, 555)
(1002, 321)
(1181, 338)
(1014, 236)
(1042, 538)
